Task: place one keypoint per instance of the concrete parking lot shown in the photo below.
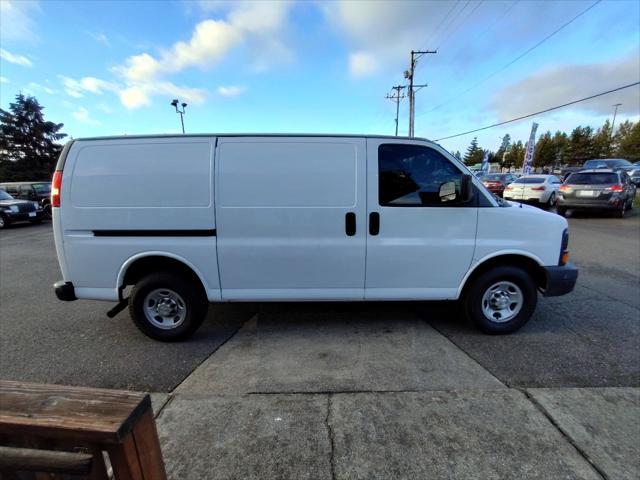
(349, 390)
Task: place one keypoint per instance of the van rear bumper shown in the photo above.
(65, 291)
(560, 280)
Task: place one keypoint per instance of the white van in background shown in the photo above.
(192, 219)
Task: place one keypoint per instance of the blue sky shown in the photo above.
(105, 68)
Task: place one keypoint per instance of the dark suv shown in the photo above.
(35, 191)
(611, 163)
(597, 190)
(13, 210)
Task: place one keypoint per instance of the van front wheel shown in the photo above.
(167, 307)
(501, 300)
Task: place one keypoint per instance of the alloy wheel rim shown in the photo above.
(164, 309)
(502, 301)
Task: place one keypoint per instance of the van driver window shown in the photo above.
(413, 175)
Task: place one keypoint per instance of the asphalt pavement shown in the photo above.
(353, 390)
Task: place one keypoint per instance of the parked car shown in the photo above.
(610, 163)
(188, 220)
(496, 182)
(634, 174)
(565, 172)
(35, 191)
(13, 210)
(598, 189)
(537, 189)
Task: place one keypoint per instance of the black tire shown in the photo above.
(561, 211)
(4, 221)
(473, 300)
(193, 297)
(47, 212)
(622, 210)
(551, 202)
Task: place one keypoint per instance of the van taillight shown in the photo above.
(56, 187)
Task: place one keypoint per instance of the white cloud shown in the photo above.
(4, 80)
(104, 107)
(382, 33)
(77, 88)
(557, 85)
(100, 38)
(83, 116)
(362, 64)
(256, 24)
(36, 87)
(14, 58)
(231, 91)
(139, 95)
(16, 23)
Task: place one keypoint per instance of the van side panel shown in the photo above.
(113, 189)
(282, 207)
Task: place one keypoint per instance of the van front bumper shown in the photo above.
(65, 291)
(560, 280)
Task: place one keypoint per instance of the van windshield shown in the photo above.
(592, 178)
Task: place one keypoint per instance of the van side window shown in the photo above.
(416, 176)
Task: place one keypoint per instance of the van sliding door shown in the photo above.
(290, 216)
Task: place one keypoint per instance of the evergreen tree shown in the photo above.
(503, 149)
(627, 141)
(545, 151)
(580, 146)
(560, 145)
(602, 141)
(28, 148)
(457, 155)
(515, 155)
(474, 153)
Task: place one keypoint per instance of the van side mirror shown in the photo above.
(466, 188)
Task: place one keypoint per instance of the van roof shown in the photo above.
(178, 135)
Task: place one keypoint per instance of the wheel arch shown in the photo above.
(528, 262)
(145, 263)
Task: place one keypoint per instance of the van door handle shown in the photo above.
(374, 223)
(350, 224)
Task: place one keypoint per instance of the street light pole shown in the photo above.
(615, 112)
(175, 103)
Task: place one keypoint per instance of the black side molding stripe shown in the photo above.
(154, 233)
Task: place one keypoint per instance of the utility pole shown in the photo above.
(615, 112)
(415, 55)
(396, 97)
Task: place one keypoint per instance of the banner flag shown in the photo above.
(485, 162)
(531, 145)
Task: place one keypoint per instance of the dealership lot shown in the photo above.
(348, 390)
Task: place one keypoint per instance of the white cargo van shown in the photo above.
(187, 220)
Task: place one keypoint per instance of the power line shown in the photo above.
(526, 52)
(444, 19)
(469, 14)
(541, 111)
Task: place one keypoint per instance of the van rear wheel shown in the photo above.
(501, 300)
(167, 307)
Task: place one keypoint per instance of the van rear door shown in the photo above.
(290, 215)
(421, 235)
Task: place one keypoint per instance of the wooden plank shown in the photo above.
(124, 460)
(30, 460)
(145, 435)
(54, 411)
